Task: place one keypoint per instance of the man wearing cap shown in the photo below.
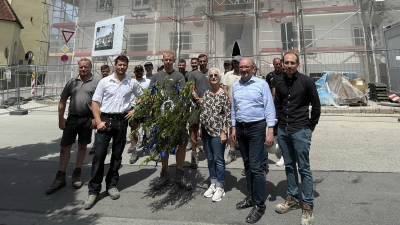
(149, 70)
(200, 78)
(227, 66)
(182, 69)
(134, 124)
(228, 80)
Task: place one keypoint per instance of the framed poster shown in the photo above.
(108, 37)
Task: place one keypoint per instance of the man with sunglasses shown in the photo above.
(200, 78)
(79, 122)
(144, 83)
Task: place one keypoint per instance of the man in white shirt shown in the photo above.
(227, 81)
(111, 107)
(134, 124)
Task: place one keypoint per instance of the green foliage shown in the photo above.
(170, 122)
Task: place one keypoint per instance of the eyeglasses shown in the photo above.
(213, 75)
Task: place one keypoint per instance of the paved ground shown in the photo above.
(355, 178)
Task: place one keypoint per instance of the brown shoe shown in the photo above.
(288, 205)
(307, 216)
(76, 178)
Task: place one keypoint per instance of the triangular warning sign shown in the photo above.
(69, 35)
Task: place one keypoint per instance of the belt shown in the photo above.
(80, 116)
(114, 115)
(249, 124)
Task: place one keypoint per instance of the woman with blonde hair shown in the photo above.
(215, 119)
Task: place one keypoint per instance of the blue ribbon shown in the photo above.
(173, 151)
(178, 88)
(154, 131)
(153, 89)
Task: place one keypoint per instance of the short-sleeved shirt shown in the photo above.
(201, 81)
(270, 78)
(81, 94)
(143, 83)
(173, 76)
(229, 79)
(116, 97)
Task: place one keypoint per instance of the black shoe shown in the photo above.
(246, 203)
(255, 215)
(91, 151)
(58, 183)
(182, 181)
(162, 180)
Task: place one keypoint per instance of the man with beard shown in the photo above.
(295, 92)
(182, 69)
(272, 76)
(144, 83)
(111, 107)
(79, 122)
(200, 78)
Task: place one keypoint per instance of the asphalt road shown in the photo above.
(354, 161)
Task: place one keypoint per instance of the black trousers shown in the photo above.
(116, 129)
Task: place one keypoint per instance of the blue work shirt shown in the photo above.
(252, 101)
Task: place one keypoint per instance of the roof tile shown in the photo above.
(7, 13)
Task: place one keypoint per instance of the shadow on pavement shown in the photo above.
(172, 194)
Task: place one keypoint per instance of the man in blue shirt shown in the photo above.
(253, 120)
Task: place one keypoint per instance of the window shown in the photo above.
(308, 34)
(358, 35)
(138, 42)
(140, 4)
(185, 40)
(104, 5)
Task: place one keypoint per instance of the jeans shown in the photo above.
(251, 144)
(117, 131)
(295, 149)
(215, 157)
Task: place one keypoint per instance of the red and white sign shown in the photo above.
(67, 35)
(64, 58)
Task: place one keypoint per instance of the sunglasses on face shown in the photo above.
(213, 75)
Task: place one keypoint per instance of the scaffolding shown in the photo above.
(342, 35)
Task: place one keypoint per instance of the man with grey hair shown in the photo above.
(79, 122)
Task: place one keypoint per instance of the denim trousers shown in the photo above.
(295, 149)
(116, 131)
(251, 144)
(215, 157)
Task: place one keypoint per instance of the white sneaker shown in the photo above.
(281, 162)
(210, 191)
(219, 193)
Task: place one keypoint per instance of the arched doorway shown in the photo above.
(236, 50)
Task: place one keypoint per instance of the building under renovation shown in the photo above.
(357, 37)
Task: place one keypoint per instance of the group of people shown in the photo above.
(235, 102)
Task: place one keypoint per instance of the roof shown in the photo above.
(8, 14)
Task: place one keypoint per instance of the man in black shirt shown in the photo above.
(294, 93)
(271, 77)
